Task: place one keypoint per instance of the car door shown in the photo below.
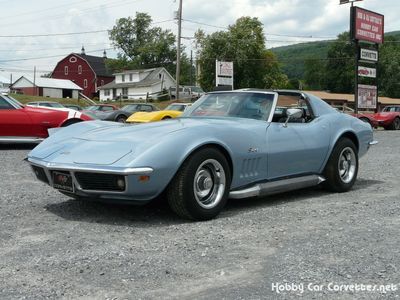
(14, 121)
(297, 148)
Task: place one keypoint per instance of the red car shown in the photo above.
(26, 124)
(389, 117)
(366, 117)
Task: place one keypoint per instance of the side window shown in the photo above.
(145, 108)
(286, 102)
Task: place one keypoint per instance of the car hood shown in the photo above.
(105, 144)
(384, 115)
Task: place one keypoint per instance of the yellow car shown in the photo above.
(173, 110)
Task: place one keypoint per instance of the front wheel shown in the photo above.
(342, 167)
(200, 189)
(396, 124)
(120, 119)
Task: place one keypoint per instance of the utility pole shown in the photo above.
(178, 50)
(191, 67)
(34, 81)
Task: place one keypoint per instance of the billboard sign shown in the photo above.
(367, 96)
(366, 72)
(368, 55)
(367, 26)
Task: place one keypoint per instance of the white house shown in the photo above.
(4, 85)
(47, 87)
(136, 84)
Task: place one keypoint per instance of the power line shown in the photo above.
(52, 34)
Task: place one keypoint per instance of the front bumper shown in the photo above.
(94, 181)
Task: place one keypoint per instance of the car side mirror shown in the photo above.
(293, 113)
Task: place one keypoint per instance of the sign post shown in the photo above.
(367, 33)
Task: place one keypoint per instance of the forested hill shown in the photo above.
(292, 57)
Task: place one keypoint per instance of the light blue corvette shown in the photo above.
(237, 144)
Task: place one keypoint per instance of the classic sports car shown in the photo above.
(173, 110)
(19, 123)
(123, 114)
(366, 117)
(389, 117)
(234, 144)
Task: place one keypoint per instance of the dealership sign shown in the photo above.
(369, 55)
(224, 73)
(367, 26)
(366, 72)
(367, 96)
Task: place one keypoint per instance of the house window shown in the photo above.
(66, 70)
(125, 91)
(79, 69)
(123, 78)
(85, 83)
(107, 92)
(130, 77)
(159, 75)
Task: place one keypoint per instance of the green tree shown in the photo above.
(244, 44)
(340, 65)
(314, 73)
(389, 68)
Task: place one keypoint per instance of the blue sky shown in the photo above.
(285, 22)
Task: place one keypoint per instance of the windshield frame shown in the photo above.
(201, 100)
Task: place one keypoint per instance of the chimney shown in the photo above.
(83, 50)
(104, 54)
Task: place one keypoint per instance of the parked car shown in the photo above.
(123, 114)
(46, 104)
(187, 92)
(19, 123)
(389, 117)
(228, 144)
(173, 110)
(366, 117)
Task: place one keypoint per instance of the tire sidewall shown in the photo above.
(195, 160)
(333, 180)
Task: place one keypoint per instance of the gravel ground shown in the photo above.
(54, 247)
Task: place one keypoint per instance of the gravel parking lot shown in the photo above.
(305, 243)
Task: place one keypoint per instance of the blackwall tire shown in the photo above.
(342, 167)
(200, 188)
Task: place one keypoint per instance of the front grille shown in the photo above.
(40, 174)
(100, 182)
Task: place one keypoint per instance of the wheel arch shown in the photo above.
(70, 121)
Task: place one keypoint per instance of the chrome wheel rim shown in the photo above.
(347, 164)
(209, 183)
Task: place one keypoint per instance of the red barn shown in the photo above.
(87, 71)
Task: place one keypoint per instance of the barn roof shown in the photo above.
(51, 83)
(97, 64)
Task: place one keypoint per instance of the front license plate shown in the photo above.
(63, 181)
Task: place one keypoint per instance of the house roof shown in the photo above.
(151, 79)
(349, 97)
(52, 83)
(97, 64)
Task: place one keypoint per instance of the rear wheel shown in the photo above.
(342, 167)
(200, 189)
(166, 118)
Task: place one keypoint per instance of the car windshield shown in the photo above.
(93, 107)
(130, 107)
(178, 107)
(390, 109)
(197, 89)
(235, 105)
(15, 102)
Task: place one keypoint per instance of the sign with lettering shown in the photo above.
(366, 72)
(367, 26)
(367, 96)
(224, 73)
(369, 55)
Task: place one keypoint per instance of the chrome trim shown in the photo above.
(22, 139)
(373, 143)
(94, 169)
(274, 187)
